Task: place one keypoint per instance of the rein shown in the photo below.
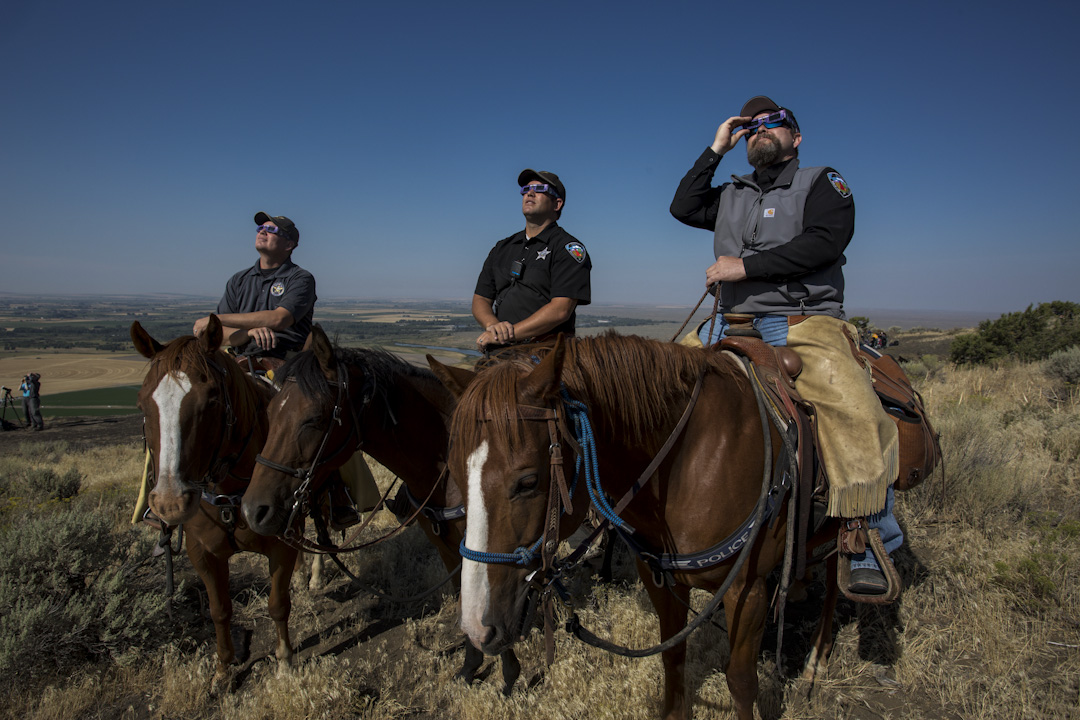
(574, 627)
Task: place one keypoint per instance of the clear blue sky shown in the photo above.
(138, 139)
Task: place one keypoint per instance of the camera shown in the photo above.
(5, 388)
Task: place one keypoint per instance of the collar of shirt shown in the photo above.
(280, 269)
(542, 237)
(767, 177)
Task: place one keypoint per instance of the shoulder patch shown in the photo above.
(839, 184)
(576, 250)
(277, 289)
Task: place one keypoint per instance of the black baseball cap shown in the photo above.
(281, 221)
(760, 104)
(545, 177)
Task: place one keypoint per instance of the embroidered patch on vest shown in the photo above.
(277, 289)
(770, 212)
(576, 250)
(839, 184)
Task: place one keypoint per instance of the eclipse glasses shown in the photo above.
(772, 120)
(540, 188)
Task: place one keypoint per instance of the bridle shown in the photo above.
(301, 499)
(545, 582)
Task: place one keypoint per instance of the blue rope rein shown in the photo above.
(587, 440)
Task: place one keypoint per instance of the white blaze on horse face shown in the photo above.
(474, 577)
(170, 392)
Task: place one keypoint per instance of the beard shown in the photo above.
(763, 153)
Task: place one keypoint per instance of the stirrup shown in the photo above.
(892, 577)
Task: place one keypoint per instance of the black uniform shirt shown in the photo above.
(554, 264)
(288, 286)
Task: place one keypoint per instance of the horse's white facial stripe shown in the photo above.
(474, 579)
(168, 395)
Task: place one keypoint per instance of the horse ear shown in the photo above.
(210, 338)
(147, 346)
(324, 351)
(543, 382)
(455, 379)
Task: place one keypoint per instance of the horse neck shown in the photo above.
(413, 447)
(249, 428)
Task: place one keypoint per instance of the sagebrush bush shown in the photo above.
(1064, 366)
(69, 591)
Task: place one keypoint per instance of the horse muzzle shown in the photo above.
(265, 518)
(175, 502)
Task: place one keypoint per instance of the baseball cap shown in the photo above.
(760, 104)
(281, 221)
(545, 177)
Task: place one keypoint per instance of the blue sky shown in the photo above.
(138, 139)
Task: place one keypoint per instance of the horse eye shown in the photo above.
(525, 485)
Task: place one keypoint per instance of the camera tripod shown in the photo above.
(8, 402)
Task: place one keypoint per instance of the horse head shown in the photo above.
(503, 436)
(312, 433)
(185, 400)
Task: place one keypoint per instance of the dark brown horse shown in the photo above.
(396, 412)
(706, 487)
(205, 423)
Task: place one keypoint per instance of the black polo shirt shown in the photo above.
(554, 264)
(288, 286)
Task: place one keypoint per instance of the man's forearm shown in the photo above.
(546, 319)
(274, 319)
(481, 310)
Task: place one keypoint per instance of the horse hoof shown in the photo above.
(223, 682)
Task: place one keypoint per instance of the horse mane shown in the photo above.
(630, 384)
(381, 366)
(183, 355)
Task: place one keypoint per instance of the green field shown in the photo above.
(100, 401)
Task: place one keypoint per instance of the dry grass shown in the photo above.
(988, 627)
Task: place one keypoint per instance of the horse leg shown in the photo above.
(474, 658)
(818, 659)
(214, 572)
(511, 669)
(670, 605)
(282, 562)
(745, 604)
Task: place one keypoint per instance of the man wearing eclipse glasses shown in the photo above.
(533, 280)
(267, 309)
(779, 236)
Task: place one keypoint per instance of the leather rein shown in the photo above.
(302, 496)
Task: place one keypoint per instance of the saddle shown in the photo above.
(775, 369)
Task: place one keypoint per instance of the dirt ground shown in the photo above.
(79, 430)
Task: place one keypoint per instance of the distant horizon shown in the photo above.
(905, 318)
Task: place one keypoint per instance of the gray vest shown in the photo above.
(749, 221)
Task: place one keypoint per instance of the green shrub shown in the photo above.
(1064, 366)
(1034, 334)
(69, 591)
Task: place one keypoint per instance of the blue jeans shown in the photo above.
(774, 330)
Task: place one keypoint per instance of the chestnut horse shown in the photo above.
(505, 454)
(396, 412)
(205, 423)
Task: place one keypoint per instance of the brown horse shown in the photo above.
(396, 412)
(505, 456)
(205, 423)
